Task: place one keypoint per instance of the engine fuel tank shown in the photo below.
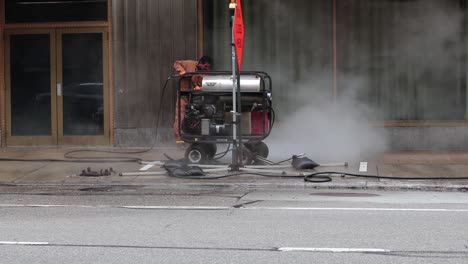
(223, 83)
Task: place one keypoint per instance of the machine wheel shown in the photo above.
(247, 157)
(196, 153)
(211, 150)
(258, 148)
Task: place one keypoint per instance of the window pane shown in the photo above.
(83, 101)
(30, 85)
(28, 11)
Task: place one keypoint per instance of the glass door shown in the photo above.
(30, 81)
(82, 89)
(57, 88)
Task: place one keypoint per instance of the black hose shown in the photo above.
(223, 153)
(310, 177)
(319, 177)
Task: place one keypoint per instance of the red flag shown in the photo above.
(238, 31)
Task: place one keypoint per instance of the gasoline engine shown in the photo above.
(205, 116)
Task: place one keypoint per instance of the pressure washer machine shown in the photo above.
(208, 117)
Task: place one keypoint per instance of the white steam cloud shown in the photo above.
(423, 42)
(408, 58)
(327, 131)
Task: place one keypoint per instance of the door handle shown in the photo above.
(59, 89)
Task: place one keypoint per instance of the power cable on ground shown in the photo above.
(310, 177)
(319, 177)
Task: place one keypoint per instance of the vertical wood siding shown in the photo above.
(407, 55)
(2, 77)
(405, 59)
(148, 37)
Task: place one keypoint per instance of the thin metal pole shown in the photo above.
(234, 86)
(240, 151)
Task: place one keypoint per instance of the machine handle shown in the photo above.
(59, 89)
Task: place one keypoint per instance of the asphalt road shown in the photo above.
(280, 226)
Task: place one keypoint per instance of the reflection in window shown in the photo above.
(30, 85)
(83, 90)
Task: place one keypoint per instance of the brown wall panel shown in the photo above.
(148, 37)
(408, 57)
(2, 76)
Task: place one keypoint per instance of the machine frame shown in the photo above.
(206, 145)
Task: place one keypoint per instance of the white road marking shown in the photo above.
(58, 205)
(335, 250)
(284, 249)
(146, 167)
(180, 207)
(163, 207)
(22, 243)
(363, 167)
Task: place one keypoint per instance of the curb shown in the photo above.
(205, 184)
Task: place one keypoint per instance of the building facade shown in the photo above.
(93, 73)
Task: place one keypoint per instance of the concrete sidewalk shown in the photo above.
(53, 172)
